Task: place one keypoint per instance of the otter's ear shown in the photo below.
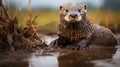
(61, 7)
(85, 7)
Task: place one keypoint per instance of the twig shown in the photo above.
(35, 17)
(32, 35)
(35, 32)
(0, 8)
(0, 3)
(0, 12)
(5, 12)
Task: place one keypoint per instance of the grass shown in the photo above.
(44, 18)
(47, 17)
(50, 19)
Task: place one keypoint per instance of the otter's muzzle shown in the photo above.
(73, 16)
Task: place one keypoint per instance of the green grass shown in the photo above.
(47, 17)
(43, 19)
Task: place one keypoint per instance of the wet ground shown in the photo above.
(93, 57)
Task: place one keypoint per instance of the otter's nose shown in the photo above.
(73, 15)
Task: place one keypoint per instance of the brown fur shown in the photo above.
(95, 34)
(78, 31)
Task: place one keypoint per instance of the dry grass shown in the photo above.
(107, 18)
(15, 38)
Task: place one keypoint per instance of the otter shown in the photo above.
(76, 31)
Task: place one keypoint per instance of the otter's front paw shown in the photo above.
(54, 42)
(77, 47)
(61, 42)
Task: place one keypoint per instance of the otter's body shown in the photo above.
(76, 29)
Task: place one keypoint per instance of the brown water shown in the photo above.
(55, 59)
(93, 57)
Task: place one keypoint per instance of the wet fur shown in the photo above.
(95, 34)
(82, 32)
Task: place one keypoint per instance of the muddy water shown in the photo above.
(111, 62)
(93, 57)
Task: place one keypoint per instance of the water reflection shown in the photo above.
(116, 56)
(12, 62)
(70, 59)
(113, 62)
(106, 63)
(43, 61)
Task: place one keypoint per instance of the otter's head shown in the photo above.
(72, 12)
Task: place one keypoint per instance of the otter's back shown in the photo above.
(102, 36)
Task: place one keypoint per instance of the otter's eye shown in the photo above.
(66, 10)
(79, 10)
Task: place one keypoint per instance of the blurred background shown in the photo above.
(103, 12)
